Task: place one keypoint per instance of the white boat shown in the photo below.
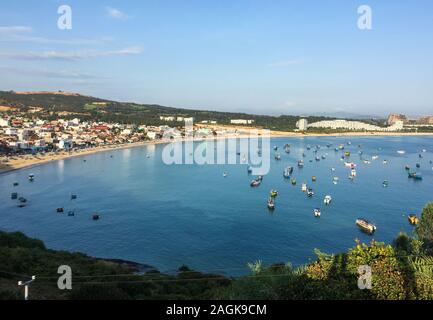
(365, 225)
(225, 174)
(353, 173)
(401, 152)
(327, 200)
(317, 212)
(374, 157)
(304, 187)
(350, 164)
(31, 177)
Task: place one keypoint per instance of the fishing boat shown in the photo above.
(310, 192)
(317, 212)
(255, 183)
(14, 195)
(271, 204)
(304, 187)
(300, 163)
(413, 219)
(274, 193)
(365, 225)
(31, 177)
(327, 200)
(415, 175)
(350, 165)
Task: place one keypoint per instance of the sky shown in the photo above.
(257, 56)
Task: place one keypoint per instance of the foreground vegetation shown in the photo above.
(403, 270)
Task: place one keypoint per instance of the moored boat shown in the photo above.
(271, 204)
(31, 177)
(327, 200)
(413, 219)
(365, 225)
(317, 212)
(274, 193)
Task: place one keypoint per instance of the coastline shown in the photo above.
(40, 159)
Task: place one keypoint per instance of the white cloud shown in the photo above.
(59, 74)
(116, 13)
(15, 29)
(286, 63)
(69, 55)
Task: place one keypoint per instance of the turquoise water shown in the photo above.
(167, 216)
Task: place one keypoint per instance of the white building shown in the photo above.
(66, 144)
(302, 124)
(152, 135)
(355, 125)
(241, 121)
(166, 118)
(4, 122)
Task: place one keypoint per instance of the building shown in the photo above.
(169, 119)
(355, 125)
(4, 122)
(423, 120)
(241, 121)
(302, 125)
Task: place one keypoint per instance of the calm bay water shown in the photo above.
(167, 216)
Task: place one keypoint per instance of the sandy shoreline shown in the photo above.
(39, 159)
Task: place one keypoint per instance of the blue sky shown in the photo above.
(267, 57)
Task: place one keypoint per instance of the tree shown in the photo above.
(424, 230)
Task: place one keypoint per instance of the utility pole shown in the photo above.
(26, 287)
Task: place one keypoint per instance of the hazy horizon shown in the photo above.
(284, 57)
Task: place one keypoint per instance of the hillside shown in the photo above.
(85, 107)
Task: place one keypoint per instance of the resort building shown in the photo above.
(355, 125)
(302, 125)
(241, 121)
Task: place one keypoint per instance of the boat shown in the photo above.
(287, 172)
(60, 210)
(314, 178)
(413, 219)
(249, 169)
(271, 204)
(365, 225)
(415, 175)
(367, 161)
(15, 184)
(300, 163)
(375, 157)
(353, 173)
(385, 161)
(21, 205)
(225, 174)
(310, 192)
(350, 165)
(424, 150)
(420, 156)
(255, 183)
(275, 148)
(293, 181)
(327, 200)
(96, 217)
(71, 213)
(335, 180)
(406, 167)
(277, 156)
(418, 165)
(385, 184)
(274, 193)
(14, 195)
(73, 196)
(317, 212)
(22, 199)
(347, 154)
(31, 177)
(317, 158)
(304, 187)
(401, 152)
(341, 147)
(323, 157)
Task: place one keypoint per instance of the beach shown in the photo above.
(25, 161)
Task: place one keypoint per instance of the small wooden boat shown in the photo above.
(365, 225)
(327, 200)
(413, 219)
(271, 204)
